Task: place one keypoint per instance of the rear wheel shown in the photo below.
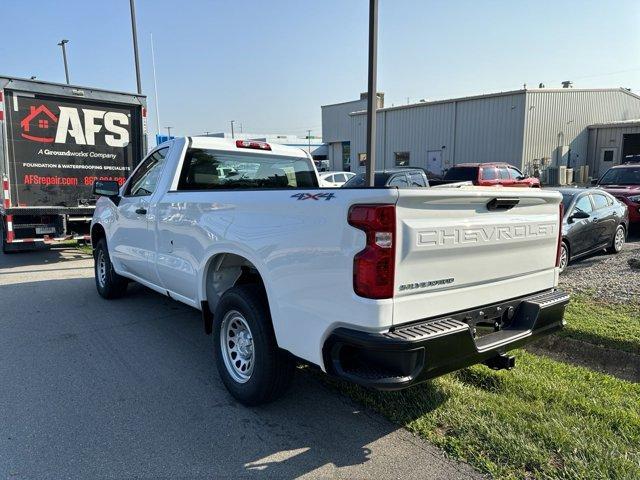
(250, 364)
(564, 256)
(108, 282)
(618, 240)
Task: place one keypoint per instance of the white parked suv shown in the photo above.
(334, 179)
(415, 282)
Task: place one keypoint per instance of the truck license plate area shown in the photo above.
(45, 230)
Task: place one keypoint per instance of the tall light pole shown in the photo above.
(168, 131)
(372, 96)
(64, 58)
(309, 138)
(155, 86)
(135, 43)
(232, 134)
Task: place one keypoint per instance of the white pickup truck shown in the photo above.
(384, 287)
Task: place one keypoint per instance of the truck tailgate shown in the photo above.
(463, 248)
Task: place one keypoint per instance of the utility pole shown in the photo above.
(169, 132)
(64, 58)
(372, 96)
(232, 134)
(135, 43)
(155, 86)
(309, 138)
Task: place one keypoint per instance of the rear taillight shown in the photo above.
(559, 235)
(373, 267)
(253, 144)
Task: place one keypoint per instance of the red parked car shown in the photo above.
(490, 174)
(623, 182)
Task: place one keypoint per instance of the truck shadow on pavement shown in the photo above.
(129, 388)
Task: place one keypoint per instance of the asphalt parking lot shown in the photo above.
(128, 388)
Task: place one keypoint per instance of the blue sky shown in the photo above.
(270, 64)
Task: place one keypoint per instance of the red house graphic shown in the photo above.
(40, 116)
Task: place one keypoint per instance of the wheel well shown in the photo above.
(566, 242)
(226, 270)
(97, 232)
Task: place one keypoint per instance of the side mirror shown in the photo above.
(594, 181)
(579, 215)
(106, 188)
(520, 178)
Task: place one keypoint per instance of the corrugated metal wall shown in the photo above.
(601, 138)
(515, 127)
(561, 117)
(490, 129)
(487, 129)
(336, 123)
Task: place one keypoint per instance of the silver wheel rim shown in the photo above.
(618, 242)
(236, 343)
(563, 258)
(101, 263)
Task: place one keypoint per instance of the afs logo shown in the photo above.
(42, 115)
(313, 196)
(69, 124)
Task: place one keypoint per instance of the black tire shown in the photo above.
(619, 238)
(269, 369)
(3, 242)
(564, 253)
(109, 284)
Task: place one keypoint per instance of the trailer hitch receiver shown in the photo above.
(502, 361)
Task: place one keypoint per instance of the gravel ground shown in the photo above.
(610, 278)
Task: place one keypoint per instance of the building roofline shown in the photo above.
(343, 103)
(500, 94)
(620, 123)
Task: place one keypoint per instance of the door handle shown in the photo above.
(141, 211)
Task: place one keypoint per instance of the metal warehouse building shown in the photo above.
(530, 129)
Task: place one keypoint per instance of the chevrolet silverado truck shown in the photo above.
(384, 287)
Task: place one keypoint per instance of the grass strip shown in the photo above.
(612, 326)
(544, 419)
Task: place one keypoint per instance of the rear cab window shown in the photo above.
(207, 169)
(462, 174)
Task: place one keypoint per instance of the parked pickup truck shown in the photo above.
(487, 175)
(385, 287)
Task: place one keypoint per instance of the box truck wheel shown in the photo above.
(108, 282)
(251, 365)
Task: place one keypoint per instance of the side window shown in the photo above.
(515, 173)
(489, 173)
(600, 201)
(504, 173)
(399, 181)
(340, 177)
(329, 178)
(146, 177)
(417, 180)
(584, 204)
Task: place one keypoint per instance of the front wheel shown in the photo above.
(108, 282)
(618, 240)
(250, 364)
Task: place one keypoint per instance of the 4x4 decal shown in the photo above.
(313, 196)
